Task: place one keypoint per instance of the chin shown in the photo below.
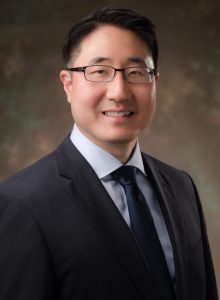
(122, 134)
(121, 139)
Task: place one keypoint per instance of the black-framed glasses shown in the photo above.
(102, 73)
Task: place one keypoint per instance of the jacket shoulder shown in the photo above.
(162, 166)
(171, 175)
(34, 178)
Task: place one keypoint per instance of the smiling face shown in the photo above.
(111, 114)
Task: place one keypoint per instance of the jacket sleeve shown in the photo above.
(25, 263)
(211, 287)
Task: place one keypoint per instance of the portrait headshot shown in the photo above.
(108, 186)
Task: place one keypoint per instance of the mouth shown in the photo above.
(117, 113)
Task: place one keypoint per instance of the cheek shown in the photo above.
(86, 97)
(147, 107)
(147, 98)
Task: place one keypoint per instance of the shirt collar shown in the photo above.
(100, 160)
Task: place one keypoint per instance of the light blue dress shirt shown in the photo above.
(103, 163)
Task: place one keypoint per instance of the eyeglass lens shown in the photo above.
(106, 73)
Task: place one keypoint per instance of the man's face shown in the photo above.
(93, 104)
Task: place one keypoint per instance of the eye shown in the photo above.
(98, 71)
(137, 72)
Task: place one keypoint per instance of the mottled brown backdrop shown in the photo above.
(34, 115)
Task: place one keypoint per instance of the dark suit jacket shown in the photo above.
(61, 236)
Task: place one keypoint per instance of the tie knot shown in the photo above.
(124, 175)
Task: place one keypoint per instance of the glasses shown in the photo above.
(102, 73)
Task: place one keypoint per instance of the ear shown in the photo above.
(66, 78)
(157, 77)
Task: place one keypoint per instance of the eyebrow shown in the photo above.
(98, 60)
(135, 59)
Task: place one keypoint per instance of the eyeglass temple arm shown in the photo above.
(79, 69)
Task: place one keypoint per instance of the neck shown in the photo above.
(122, 152)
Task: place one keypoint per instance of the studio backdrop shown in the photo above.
(35, 116)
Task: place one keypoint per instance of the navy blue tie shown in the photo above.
(144, 231)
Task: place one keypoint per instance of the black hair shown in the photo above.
(120, 17)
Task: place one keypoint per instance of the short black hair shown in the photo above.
(120, 17)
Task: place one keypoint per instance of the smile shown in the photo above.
(117, 113)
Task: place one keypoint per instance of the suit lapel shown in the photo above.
(88, 193)
(172, 216)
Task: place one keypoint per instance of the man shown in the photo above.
(98, 219)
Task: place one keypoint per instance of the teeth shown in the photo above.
(117, 113)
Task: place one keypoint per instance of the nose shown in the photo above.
(118, 89)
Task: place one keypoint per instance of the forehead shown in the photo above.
(113, 44)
